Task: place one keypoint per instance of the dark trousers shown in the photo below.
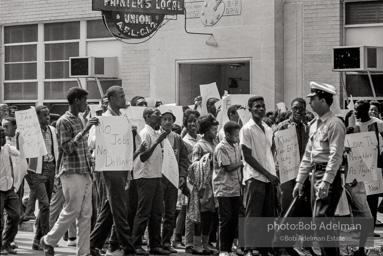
(43, 186)
(260, 202)
(10, 202)
(113, 211)
(30, 209)
(228, 210)
(207, 219)
(326, 207)
(180, 224)
(20, 194)
(170, 195)
(100, 188)
(149, 212)
(373, 201)
(214, 227)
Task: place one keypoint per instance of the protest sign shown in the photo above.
(244, 115)
(114, 144)
(233, 99)
(93, 108)
(362, 159)
(135, 116)
(31, 138)
(282, 107)
(208, 91)
(170, 164)
(177, 112)
(374, 187)
(288, 157)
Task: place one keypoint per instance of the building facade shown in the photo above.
(272, 48)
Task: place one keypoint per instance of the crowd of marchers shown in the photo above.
(226, 171)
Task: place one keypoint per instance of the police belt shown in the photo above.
(319, 166)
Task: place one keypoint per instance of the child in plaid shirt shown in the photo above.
(227, 185)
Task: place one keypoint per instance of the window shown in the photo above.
(61, 42)
(359, 85)
(20, 62)
(97, 29)
(36, 57)
(364, 12)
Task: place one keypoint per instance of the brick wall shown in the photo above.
(136, 70)
(21, 11)
(322, 29)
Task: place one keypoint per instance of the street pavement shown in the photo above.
(24, 241)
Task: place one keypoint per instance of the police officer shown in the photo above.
(323, 156)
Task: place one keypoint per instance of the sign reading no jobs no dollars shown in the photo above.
(114, 144)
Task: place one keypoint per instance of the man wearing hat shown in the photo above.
(323, 157)
(170, 191)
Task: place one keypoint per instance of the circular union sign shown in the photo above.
(133, 25)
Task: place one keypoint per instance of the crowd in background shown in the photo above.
(226, 171)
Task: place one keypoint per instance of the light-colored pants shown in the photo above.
(77, 191)
(55, 208)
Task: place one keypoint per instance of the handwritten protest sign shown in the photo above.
(114, 144)
(208, 91)
(135, 117)
(375, 186)
(31, 138)
(177, 112)
(286, 143)
(233, 99)
(362, 159)
(170, 164)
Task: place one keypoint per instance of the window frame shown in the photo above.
(2, 54)
(40, 60)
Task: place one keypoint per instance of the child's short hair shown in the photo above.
(231, 126)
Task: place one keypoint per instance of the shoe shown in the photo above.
(159, 251)
(169, 248)
(141, 251)
(376, 235)
(199, 250)
(14, 245)
(8, 249)
(211, 249)
(224, 254)
(178, 245)
(94, 252)
(117, 252)
(189, 248)
(2, 252)
(36, 245)
(359, 253)
(378, 223)
(72, 242)
(48, 250)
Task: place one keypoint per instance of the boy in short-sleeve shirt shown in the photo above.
(226, 185)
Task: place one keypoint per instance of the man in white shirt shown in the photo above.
(259, 173)
(8, 197)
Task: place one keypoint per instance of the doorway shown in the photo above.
(231, 75)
